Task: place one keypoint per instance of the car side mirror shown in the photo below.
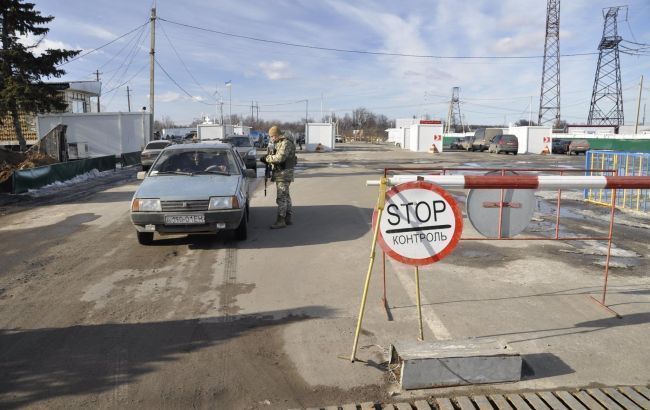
(251, 173)
(141, 175)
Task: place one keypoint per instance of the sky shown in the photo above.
(280, 78)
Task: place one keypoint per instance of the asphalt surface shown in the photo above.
(92, 319)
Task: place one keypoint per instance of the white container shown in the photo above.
(208, 132)
(319, 133)
(421, 137)
(532, 140)
(105, 133)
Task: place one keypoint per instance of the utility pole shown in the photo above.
(128, 97)
(549, 98)
(643, 114)
(252, 111)
(152, 62)
(453, 115)
(638, 107)
(607, 96)
(97, 73)
(530, 113)
(229, 85)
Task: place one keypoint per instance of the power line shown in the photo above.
(129, 80)
(134, 51)
(178, 85)
(378, 53)
(126, 45)
(181, 60)
(102, 46)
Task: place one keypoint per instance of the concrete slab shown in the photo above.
(455, 362)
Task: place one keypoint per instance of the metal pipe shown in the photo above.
(536, 182)
(417, 297)
(503, 172)
(380, 208)
(557, 211)
(609, 245)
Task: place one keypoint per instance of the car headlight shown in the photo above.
(146, 205)
(223, 202)
(251, 153)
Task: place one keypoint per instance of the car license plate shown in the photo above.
(185, 220)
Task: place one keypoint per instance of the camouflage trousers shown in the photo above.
(283, 198)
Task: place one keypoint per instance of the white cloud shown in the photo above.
(96, 31)
(41, 44)
(527, 43)
(275, 70)
(169, 96)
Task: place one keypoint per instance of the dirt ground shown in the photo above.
(92, 319)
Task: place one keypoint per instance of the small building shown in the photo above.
(80, 97)
(319, 134)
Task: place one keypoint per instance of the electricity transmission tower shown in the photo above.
(607, 96)
(453, 115)
(549, 98)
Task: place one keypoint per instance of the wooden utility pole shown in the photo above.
(152, 62)
(638, 107)
(128, 97)
(98, 104)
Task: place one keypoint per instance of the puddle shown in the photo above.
(547, 209)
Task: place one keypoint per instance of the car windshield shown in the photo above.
(157, 145)
(195, 161)
(238, 141)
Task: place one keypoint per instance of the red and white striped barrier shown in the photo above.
(537, 182)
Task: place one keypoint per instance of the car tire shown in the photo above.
(145, 238)
(514, 153)
(241, 233)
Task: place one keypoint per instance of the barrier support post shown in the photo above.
(380, 208)
(417, 297)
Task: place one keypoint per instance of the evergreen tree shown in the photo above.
(21, 71)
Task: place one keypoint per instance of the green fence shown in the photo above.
(34, 178)
(619, 144)
(130, 158)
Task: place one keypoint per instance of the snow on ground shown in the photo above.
(58, 185)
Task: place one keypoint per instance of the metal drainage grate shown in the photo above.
(606, 398)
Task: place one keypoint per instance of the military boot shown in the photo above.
(279, 223)
(287, 219)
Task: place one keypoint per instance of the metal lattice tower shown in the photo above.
(549, 98)
(453, 115)
(607, 97)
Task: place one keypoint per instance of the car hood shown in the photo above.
(185, 187)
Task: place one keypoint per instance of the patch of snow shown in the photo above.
(48, 189)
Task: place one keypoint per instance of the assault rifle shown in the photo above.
(267, 169)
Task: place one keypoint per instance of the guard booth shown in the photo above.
(421, 137)
(319, 134)
(532, 140)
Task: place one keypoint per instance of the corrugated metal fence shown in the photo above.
(627, 164)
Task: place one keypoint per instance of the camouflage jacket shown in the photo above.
(283, 160)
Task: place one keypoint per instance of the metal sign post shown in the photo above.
(379, 209)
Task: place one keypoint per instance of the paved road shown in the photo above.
(90, 318)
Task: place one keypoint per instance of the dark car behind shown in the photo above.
(578, 147)
(559, 146)
(244, 147)
(151, 151)
(504, 143)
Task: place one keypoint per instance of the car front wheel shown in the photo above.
(241, 233)
(145, 238)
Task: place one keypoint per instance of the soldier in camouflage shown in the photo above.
(283, 159)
